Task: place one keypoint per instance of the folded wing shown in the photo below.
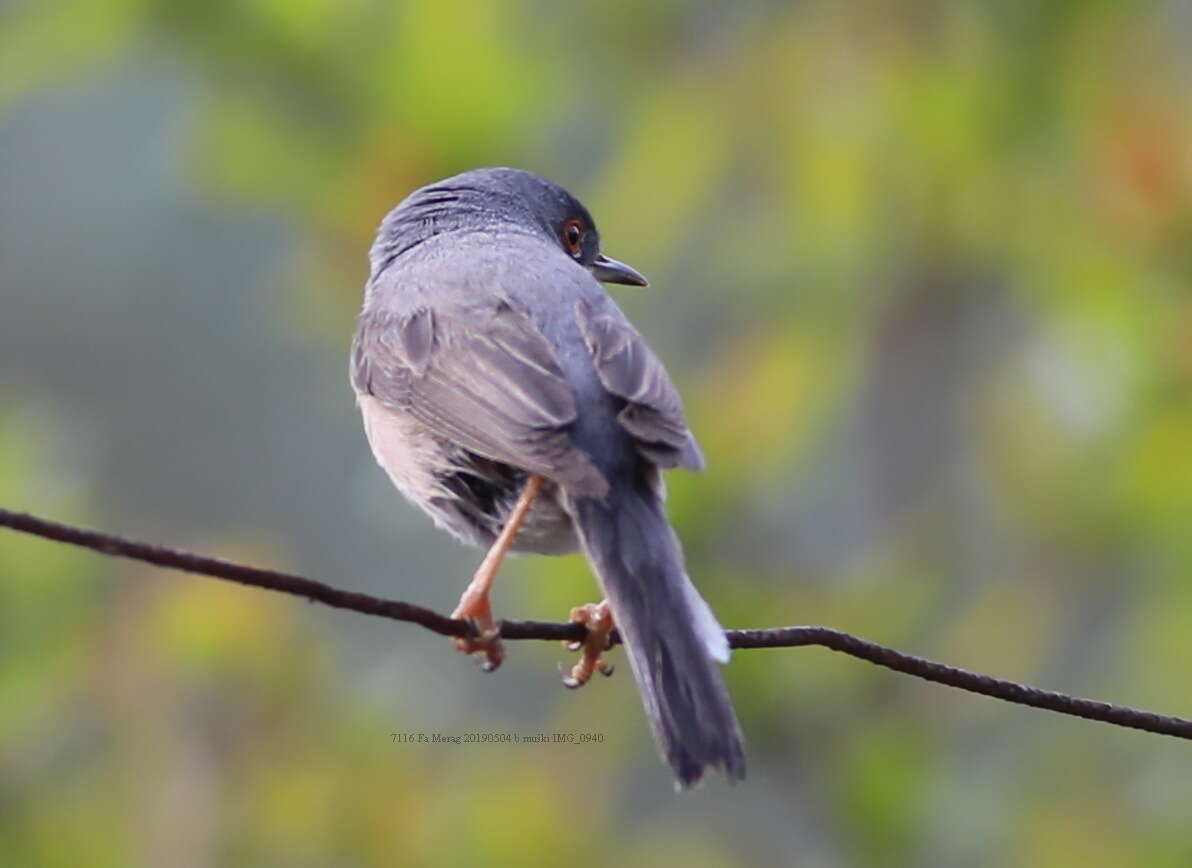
(485, 379)
(627, 367)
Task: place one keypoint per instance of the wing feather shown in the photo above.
(484, 378)
(627, 367)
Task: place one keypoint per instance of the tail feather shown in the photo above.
(672, 638)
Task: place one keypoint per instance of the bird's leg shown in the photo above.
(475, 604)
(598, 619)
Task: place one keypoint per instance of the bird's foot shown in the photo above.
(486, 645)
(598, 619)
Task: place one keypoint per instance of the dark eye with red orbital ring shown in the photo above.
(573, 236)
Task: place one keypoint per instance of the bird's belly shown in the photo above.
(467, 496)
(547, 529)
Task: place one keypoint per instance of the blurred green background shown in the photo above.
(921, 270)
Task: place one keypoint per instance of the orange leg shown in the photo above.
(598, 618)
(475, 603)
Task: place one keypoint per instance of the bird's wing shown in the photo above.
(484, 378)
(627, 367)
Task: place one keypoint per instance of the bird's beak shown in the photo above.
(610, 271)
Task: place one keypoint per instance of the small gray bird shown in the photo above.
(506, 394)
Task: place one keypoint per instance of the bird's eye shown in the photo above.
(573, 236)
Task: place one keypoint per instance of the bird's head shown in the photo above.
(499, 199)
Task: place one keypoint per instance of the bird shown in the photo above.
(506, 394)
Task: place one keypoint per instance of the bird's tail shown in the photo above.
(673, 640)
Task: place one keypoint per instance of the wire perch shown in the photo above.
(773, 637)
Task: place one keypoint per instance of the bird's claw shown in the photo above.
(485, 646)
(597, 618)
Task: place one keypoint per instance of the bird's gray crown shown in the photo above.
(478, 200)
